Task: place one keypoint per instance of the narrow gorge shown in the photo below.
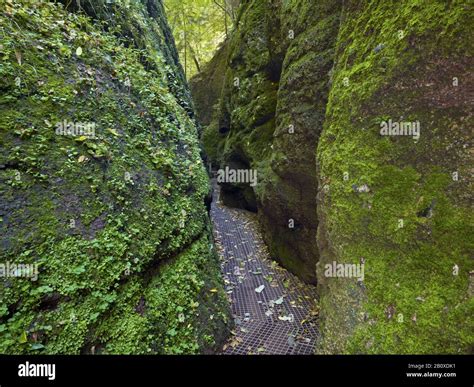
(301, 92)
(122, 233)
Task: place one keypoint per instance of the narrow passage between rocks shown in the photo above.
(274, 312)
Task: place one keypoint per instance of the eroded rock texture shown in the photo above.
(412, 222)
(270, 117)
(116, 222)
(308, 85)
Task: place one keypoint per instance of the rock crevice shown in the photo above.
(307, 90)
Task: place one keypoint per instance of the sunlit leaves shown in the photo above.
(198, 28)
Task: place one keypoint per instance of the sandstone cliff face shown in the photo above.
(270, 116)
(113, 215)
(206, 87)
(396, 202)
(304, 97)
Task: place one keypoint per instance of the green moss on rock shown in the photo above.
(270, 115)
(332, 72)
(98, 214)
(411, 226)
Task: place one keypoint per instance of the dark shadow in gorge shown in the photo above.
(238, 195)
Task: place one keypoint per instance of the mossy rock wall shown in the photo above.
(288, 193)
(270, 116)
(116, 222)
(395, 203)
(206, 86)
(399, 205)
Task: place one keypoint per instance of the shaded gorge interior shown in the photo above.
(307, 98)
(303, 97)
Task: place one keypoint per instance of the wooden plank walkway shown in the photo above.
(274, 312)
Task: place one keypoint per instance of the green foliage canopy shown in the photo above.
(199, 26)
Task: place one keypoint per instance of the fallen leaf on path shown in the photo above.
(260, 289)
(289, 318)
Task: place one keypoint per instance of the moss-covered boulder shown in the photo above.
(288, 194)
(206, 86)
(362, 113)
(271, 111)
(399, 204)
(102, 186)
